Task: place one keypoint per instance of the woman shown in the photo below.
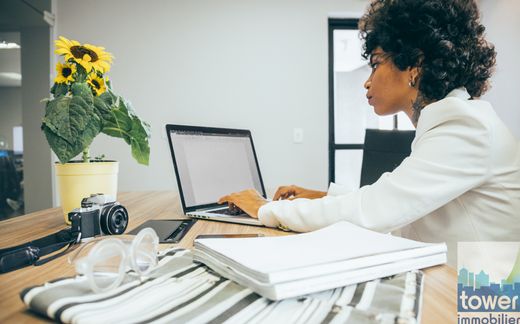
(461, 182)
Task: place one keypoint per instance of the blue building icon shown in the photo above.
(463, 277)
(481, 280)
(471, 282)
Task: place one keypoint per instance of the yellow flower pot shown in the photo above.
(77, 180)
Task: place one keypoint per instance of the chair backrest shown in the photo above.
(9, 181)
(383, 151)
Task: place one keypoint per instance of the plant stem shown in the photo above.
(86, 155)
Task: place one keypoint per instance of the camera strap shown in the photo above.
(30, 253)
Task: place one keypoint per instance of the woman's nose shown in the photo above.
(367, 84)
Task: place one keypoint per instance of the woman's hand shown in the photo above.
(248, 200)
(293, 192)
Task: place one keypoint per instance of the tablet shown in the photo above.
(168, 230)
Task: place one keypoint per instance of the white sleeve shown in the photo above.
(448, 159)
(337, 190)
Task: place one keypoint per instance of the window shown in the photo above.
(349, 112)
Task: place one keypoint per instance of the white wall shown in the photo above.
(502, 28)
(10, 112)
(260, 65)
(253, 64)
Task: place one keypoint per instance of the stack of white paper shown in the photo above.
(335, 256)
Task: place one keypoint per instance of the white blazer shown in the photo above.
(460, 183)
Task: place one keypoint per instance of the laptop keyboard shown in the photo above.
(228, 211)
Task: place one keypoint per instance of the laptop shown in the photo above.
(210, 163)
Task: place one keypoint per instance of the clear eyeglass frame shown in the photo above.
(111, 259)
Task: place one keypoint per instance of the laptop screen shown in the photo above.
(212, 164)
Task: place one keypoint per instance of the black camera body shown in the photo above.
(99, 215)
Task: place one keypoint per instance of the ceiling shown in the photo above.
(17, 14)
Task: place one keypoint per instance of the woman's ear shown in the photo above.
(414, 73)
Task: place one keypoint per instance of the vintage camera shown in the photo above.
(99, 215)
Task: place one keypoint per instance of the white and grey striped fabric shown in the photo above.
(180, 291)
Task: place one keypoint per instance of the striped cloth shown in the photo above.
(180, 291)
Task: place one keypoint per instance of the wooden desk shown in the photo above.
(439, 303)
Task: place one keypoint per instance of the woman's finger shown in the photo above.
(223, 199)
(279, 193)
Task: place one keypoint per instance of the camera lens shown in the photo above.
(114, 220)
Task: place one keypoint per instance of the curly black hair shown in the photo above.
(443, 37)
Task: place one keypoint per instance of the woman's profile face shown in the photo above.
(388, 88)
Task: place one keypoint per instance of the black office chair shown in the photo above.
(383, 151)
(10, 187)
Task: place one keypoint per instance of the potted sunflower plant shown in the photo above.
(82, 106)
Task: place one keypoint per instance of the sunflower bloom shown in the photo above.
(97, 84)
(65, 72)
(89, 56)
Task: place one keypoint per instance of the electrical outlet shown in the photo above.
(298, 135)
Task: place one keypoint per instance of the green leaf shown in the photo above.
(83, 90)
(101, 108)
(123, 119)
(120, 121)
(140, 145)
(124, 124)
(62, 148)
(66, 116)
(81, 73)
(109, 97)
(141, 151)
(60, 89)
(116, 132)
(70, 125)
